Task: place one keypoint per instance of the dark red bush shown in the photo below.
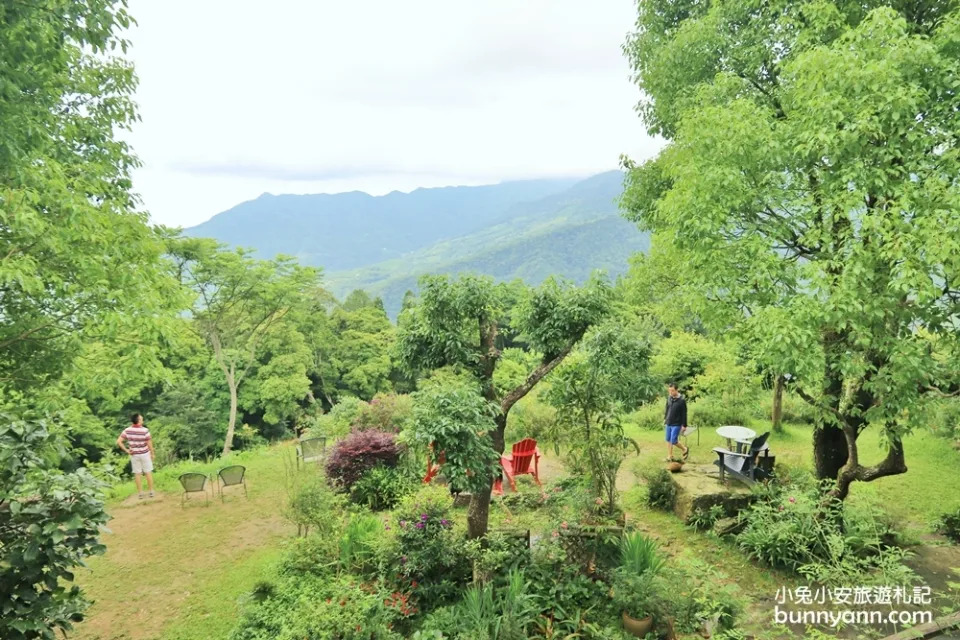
(358, 453)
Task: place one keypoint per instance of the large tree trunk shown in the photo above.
(777, 414)
(893, 464)
(478, 513)
(232, 424)
(829, 451)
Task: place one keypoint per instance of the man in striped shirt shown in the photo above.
(136, 442)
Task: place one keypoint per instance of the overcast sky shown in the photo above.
(241, 97)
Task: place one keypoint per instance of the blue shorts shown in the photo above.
(673, 432)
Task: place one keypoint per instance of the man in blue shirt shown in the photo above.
(675, 421)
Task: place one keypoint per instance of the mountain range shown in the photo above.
(528, 229)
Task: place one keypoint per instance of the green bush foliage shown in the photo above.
(427, 556)
(383, 487)
(320, 607)
(386, 412)
(314, 505)
(359, 544)
(794, 409)
(50, 522)
(793, 528)
(456, 420)
(648, 416)
(661, 492)
(949, 525)
(339, 420)
(709, 413)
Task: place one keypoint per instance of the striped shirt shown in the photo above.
(138, 439)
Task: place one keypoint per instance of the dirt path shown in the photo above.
(159, 556)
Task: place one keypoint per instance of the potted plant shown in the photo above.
(635, 584)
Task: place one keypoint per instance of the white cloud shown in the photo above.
(241, 97)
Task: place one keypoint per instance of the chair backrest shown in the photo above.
(192, 482)
(523, 454)
(759, 443)
(313, 447)
(232, 475)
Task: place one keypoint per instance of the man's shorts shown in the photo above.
(673, 432)
(141, 463)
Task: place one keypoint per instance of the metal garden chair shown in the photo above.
(230, 476)
(311, 449)
(193, 483)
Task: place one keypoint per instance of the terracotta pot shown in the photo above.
(637, 628)
(674, 467)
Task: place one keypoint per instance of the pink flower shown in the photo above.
(555, 534)
(792, 499)
(563, 525)
(598, 501)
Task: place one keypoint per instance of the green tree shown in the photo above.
(457, 420)
(810, 180)
(357, 299)
(78, 262)
(605, 376)
(49, 522)
(460, 323)
(239, 302)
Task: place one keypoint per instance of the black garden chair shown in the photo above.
(311, 450)
(231, 476)
(193, 483)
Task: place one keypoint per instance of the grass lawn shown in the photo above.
(914, 499)
(181, 574)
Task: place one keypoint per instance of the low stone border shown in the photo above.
(929, 630)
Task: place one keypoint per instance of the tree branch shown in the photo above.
(535, 376)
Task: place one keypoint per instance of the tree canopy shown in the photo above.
(466, 323)
(810, 181)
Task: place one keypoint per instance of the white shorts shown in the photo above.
(141, 463)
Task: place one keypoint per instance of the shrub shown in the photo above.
(314, 506)
(946, 418)
(50, 521)
(337, 422)
(703, 519)
(949, 525)
(359, 452)
(457, 420)
(648, 416)
(661, 492)
(359, 543)
(427, 556)
(317, 607)
(386, 412)
(498, 614)
(497, 554)
(710, 413)
(838, 543)
(571, 599)
(383, 487)
(315, 555)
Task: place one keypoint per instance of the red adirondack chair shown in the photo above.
(433, 469)
(518, 463)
